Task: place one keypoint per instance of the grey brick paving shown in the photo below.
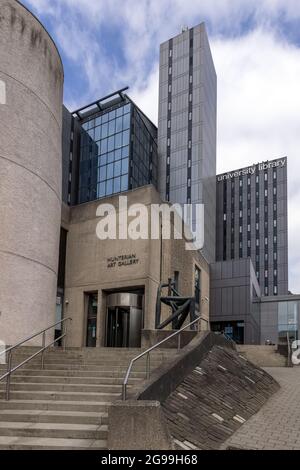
(277, 423)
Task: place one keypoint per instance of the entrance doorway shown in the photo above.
(235, 330)
(91, 332)
(124, 320)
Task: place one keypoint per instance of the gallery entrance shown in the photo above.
(124, 320)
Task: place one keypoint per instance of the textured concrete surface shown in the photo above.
(30, 173)
(277, 425)
(138, 425)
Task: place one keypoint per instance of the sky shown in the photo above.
(108, 44)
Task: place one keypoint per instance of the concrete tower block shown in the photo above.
(31, 84)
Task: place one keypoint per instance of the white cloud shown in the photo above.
(258, 73)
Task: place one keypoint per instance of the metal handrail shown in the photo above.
(149, 350)
(289, 362)
(9, 351)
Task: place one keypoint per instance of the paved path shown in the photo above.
(277, 424)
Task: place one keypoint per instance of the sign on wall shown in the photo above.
(122, 260)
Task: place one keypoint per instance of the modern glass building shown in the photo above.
(252, 221)
(113, 149)
(187, 126)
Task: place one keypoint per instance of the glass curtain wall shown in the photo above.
(288, 320)
(104, 154)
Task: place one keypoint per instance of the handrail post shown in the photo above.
(179, 342)
(124, 386)
(148, 366)
(42, 355)
(8, 377)
(65, 335)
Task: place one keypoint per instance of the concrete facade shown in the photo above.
(236, 298)
(187, 126)
(252, 221)
(233, 288)
(30, 173)
(88, 268)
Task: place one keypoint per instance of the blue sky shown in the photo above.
(108, 44)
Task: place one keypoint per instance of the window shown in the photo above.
(266, 176)
(241, 183)
(197, 286)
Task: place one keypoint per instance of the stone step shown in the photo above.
(29, 443)
(59, 405)
(75, 373)
(71, 380)
(61, 396)
(92, 367)
(59, 387)
(56, 430)
(46, 416)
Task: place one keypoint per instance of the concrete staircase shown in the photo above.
(65, 406)
(262, 356)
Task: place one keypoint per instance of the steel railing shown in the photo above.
(148, 351)
(41, 351)
(289, 352)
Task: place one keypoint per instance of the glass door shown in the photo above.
(91, 335)
(118, 327)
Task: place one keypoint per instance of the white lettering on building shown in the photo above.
(251, 169)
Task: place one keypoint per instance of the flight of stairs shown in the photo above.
(65, 406)
(262, 356)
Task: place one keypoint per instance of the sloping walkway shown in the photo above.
(277, 424)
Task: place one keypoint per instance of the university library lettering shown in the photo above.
(252, 169)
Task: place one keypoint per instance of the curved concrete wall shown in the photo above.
(31, 75)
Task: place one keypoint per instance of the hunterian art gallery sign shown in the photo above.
(250, 170)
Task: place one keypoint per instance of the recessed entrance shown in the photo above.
(124, 320)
